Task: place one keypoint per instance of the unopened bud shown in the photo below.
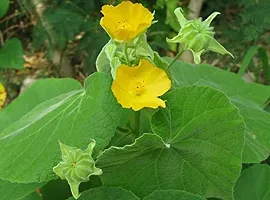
(197, 35)
(76, 166)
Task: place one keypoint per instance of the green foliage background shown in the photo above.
(217, 128)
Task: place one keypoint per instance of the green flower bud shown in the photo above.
(77, 166)
(197, 35)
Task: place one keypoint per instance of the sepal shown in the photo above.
(210, 18)
(217, 47)
(180, 16)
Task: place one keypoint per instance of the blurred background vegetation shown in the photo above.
(62, 38)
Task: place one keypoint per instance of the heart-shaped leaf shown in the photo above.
(197, 147)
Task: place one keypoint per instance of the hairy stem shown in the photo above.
(175, 58)
(125, 47)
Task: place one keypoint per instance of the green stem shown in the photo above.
(175, 58)
(138, 122)
(125, 47)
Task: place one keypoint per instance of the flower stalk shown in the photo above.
(125, 51)
(175, 58)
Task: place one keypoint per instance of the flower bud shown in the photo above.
(197, 35)
(77, 166)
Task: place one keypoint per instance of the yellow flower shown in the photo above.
(125, 21)
(3, 95)
(140, 86)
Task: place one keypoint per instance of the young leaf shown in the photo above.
(102, 62)
(29, 147)
(143, 49)
(108, 193)
(253, 183)
(172, 195)
(11, 54)
(16, 191)
(197, 147)
(250, 98)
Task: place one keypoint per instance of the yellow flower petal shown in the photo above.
(155, 79)
(123, 97)
(3, 95)
(148, 101)
(138, 87)
(125, 21)
(124, 75)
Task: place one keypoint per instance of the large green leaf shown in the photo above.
(107, 193)
(253, 184)
(4, 5)
(11, 54)
(248, 97)
(37, 93)
(16, 191)
(172, 195)
(29, 147)
(33, 196)
(198, 148)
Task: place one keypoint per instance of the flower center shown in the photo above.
(73, 164)
(123, 25)
(139, 88)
